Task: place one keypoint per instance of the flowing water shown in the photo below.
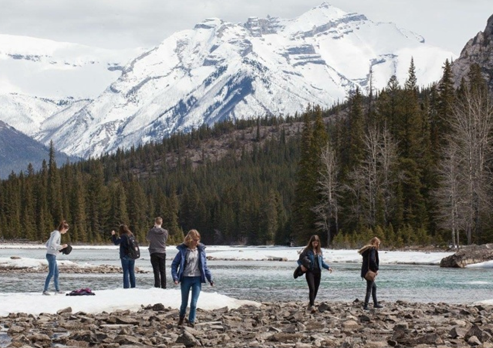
(273, 280)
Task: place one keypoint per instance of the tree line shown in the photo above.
(411, 165)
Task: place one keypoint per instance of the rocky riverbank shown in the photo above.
(287, 324)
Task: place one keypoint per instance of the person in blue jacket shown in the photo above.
(189, 268)
(128, 264)
(312, 262)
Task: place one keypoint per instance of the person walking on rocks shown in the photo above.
(157, 237)
(128, 264)
(311, 261)
(189, 268)
(53, 247)
(370, 262)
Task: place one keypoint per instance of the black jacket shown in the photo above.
(370, 260)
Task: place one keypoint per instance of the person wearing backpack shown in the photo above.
(189, 268)
(128, 263)
(157, 237)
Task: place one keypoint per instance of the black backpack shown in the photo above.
(133, 250)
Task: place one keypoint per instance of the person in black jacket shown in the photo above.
(370, 262)
(157, 238)
(128, 264)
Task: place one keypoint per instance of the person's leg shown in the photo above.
(196, 287)
(155, 269)
(374, 294)
(131, 272)
(125, 265)
(162, 270)
(57, 287)
(311, 287)
(185, 289)
(316, 278)
(369, 286)
(51, 270)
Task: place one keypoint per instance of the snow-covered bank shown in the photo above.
(110, 300)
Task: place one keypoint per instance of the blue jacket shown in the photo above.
(180, 259)
(123, 242)
(307, 259)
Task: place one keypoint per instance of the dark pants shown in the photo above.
(313, 280)
(158, 262)
(128, 266)
(371, 289)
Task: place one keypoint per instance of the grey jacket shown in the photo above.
(157, 238)
(53, 244)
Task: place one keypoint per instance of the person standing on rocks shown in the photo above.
(370, 262)
(157, 237)
(128, 264)
(53, 247)
(311, 261)
(189, 268)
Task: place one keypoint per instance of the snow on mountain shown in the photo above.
(220, 70)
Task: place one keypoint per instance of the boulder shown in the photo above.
(469, 255)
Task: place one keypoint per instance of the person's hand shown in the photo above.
(113, 232)
(176, 282)
(330, 270)
(303, 268)
(64, 246)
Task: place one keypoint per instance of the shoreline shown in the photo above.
(279, 324)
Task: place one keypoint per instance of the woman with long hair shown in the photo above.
(311, 261)
(53, 247)
(370, 262)
(128, 264)
(189, 268)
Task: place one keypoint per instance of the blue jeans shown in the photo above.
(128, 266)
(195, 284)
(52, 271)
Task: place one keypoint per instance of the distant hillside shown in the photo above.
(17, 149)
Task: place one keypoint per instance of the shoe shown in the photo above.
(365, 307)
(180, 321)
(59, 292)
(377, 305)
(46, 293)
(191, 324)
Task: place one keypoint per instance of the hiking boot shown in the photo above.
(181, 320)
(46, 293)
(191, 324)
(377, 305)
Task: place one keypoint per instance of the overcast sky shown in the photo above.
(145, 23)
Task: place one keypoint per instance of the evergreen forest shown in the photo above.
(409, 164)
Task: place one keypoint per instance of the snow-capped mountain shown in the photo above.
(220, 70)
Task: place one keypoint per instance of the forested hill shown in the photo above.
(408, 164)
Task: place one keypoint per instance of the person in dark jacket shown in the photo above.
(370, 262)
(128, 265)
(311, 261)
(189, 268)
(157, 238)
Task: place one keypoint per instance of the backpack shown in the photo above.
(133, 250)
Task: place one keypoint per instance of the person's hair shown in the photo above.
(375, 241)
(310, 246)
(191, 235)
(158, 220)
(124, 230)
(63, 225)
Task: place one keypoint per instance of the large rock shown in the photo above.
(469, 255)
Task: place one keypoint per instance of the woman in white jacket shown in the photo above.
(53, 247)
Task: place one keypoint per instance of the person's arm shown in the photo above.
(208, 273)
(174, 267)
(373, 260)
(116, 240)
(326, 265)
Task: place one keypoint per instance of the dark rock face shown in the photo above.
(286, 324)
(469, 255)
(478, 50)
